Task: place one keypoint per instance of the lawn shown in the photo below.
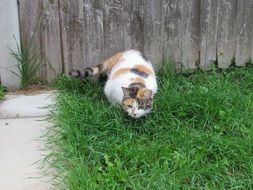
(199, 135)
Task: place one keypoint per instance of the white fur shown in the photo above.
(113, 89)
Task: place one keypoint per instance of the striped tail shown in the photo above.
(99, 71)
(87, 72)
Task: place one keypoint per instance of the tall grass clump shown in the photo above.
(29, 61)
(1, 91)
(199, 135)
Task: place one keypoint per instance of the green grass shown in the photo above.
(199, 135)
(29, 62)
(1, 91)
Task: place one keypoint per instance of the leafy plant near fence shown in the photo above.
(1, 91)
(199, 135)
(29, 61)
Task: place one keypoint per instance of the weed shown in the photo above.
(29, 61)
(1, 91)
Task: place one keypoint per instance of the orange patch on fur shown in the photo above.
(140, 93)
(144, 69)
(128, 101)
(137, 80)
(144, 92)
(120, 72)
(109, 63)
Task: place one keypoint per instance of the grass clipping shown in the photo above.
(199, 135)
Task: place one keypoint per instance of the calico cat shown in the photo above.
(131, 81)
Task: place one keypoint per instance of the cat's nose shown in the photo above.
(134, 114)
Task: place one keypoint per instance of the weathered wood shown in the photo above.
(93, 32)
(127, 19)
(51, 37)
(208, 33)
(226, 32)
(181, 31)
(171, 36)
(9, 26)
(244, 25)
(190, 32)
(72, 30)
(153, 42)
(190, 25)
(133, 19)
(112, 27)
(30, 13)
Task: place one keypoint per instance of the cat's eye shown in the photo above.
(141, 107)
(129, 106)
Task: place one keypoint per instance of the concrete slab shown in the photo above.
(26, 106)
(20, 149)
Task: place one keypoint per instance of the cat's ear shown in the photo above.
(126, 91)
(145, 93)
(148, 93)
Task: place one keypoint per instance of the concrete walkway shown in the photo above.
(21, 126)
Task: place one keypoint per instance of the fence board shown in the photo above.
(93, 32)
(226, 32)
(51, 36)
(153, 46)
(30, 12)
(72, 29)
(190, 21)
(133, 19)
(191, 32)
(243, 32)
(208, 33)
(113, 27)
(172, 27)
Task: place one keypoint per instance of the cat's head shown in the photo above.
(137, 101)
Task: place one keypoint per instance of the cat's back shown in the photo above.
(131, 67)
(130, 59)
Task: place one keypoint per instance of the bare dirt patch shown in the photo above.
(32, 90)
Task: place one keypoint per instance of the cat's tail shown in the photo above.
(99, 70)
(87, 72)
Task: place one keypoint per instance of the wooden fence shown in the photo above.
(193, 33)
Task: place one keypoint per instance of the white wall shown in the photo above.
(9, 26)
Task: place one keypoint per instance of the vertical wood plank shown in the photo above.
(190, 26)
(133, 19)
(51, 38)
(172, 38)
(30, 16)
(208, 33)
(243, 28)
(153, 42)
(127, 18)
(72, 30)
(251, 39)
(226, 32)
(112, 27)
(93, 31)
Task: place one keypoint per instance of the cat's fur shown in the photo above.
(131, 81)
